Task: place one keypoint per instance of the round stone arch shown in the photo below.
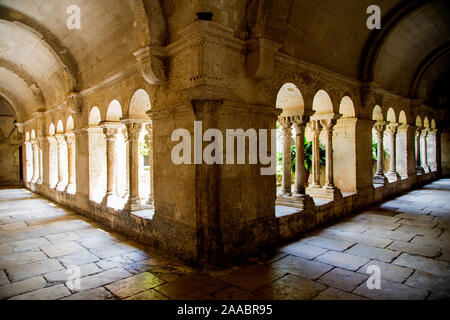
(391, 116)
(426, 123)
(322, 103)
(94, 116)
(59, 127)
(418, 121)
(51, 129)
(139, 104)
(402, 118)
(70, 124)
(347, 108)
(114, 111)
(377, 113)
(290, 100)
(433, 124)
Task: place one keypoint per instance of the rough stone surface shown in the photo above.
(302, 270)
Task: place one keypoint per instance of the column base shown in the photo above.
(393, 176)
(111, 201)
(70, 188)
(301, 201)
(325, 192)
(426, 169)
(39, 181)
(419, 171)
(61, 186)
(380, 179)
(136, 204)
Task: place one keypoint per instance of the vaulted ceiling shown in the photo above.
(41, 60)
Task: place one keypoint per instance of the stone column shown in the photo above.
(392, 133)
(328, 126)
(299, 125)
(149, 141)
(379, 176)
(419, 169)
(316, 127)
(27, 156)
(70, 140)
(35, 161)
(287, 164)
(425, 165)
(41, 163)
(432, 134)
(110, 130)
(127, 165)
(61, 141)
(133, 130)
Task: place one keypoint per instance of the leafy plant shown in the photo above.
(308, 156)
(375, 151)
(143, 149)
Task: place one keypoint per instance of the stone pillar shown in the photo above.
(35, 161)
(432, 137)
(61, 142)
(127, 165)
(299, 199)
(287, 164)
(40, 145)
(379, 177)
(419, 169)
(328, 126)
(133, 130)
(316, 127)
(110, 131)
(299, 125)
(392, 133)
(70, 141)
(425, 165)
(149, 141)
(27, 156)
(406, 164)
(50, 171)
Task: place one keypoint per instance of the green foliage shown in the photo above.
(308, 156)
(143, 149)
(375, 151)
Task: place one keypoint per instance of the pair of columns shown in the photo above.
(421, 142)
(391, 130)
(316, 126)
(36, 162)
(66, 170)
(299, 183)
(133, 129)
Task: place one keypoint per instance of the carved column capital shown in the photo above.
(424, 133)
(315, 126)
(328, 124)
(286, 125)
(300, 123)
(133, 129)
(110, 133)
(379, 127)
(70, 139)
(392, 128)
(60, 139)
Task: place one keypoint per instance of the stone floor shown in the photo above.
(408, 238)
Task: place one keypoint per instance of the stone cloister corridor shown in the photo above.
(408, 237)
(252, 149)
